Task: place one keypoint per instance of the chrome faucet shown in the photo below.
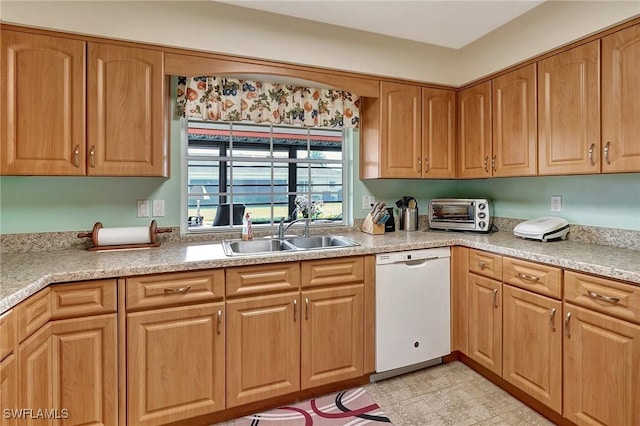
(282, 228)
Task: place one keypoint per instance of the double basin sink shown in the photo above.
(288, 244)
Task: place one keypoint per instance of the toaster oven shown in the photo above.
(460, 214)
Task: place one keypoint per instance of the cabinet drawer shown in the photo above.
(33, 313)
(541, 279)
(168, 289)
(332, 271)
(484, 263)
(84, 298)
(603, 295)
(247, 280)
(7, 333)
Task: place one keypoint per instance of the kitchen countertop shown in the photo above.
(23, 274)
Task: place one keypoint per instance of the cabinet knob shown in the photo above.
(76, 156)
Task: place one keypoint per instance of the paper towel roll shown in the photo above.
(122, 236)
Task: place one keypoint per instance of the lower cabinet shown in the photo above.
(532, 345)
(175, 363)
(485, 322)
(35, 374)
(332, 335)
(8, 389)
(263, 347)
(601, 369)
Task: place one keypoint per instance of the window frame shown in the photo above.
(348, 136)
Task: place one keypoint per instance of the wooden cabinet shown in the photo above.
(8, 389)
(542, 279)
(84, 371)
(569, 111)
(532, 345)
(485, 264)
(400, 130)
(438, 134)
(408, 133)
(620, 106)
(332, 335)
(175, 363)
(515, 123)
(42, 104)
(601, 369)
(263, 347)
(125, 110)
(485, 322)
(52, 127)
(474, 131)
(35, 374)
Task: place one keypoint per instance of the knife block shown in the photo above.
(369, 227)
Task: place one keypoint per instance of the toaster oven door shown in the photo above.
(452, 214)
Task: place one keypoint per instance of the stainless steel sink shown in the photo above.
(320, 242)
(240, 247)
(291, 244)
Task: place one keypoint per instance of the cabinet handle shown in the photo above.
(426, 164)
(528, 277)
(178, 290)
(92, 156)
(76, 156)
(295, 310)
(566, 324)
(485, 164)
(219, 322)
(419, 165)
(482, 264)
(495, 297)
(591, 148)
(552, 319)
(609, 299)
(606, 153)
(306, 308)
(493, 163)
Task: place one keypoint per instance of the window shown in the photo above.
(270, 171)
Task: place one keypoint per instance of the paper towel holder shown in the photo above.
(151, 241)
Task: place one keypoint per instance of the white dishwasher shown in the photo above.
(412, 310)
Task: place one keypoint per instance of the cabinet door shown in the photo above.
(485, 322)
(42, 104)
(8, 389)
(620, 106)
(601, 369)
(332, 335)
(515, 123)
(474, 131)
(532, 343)
(569, 111)
(125, 111)
(84, 370)
(35, 375)
(401, 150)
(175, 363)
(263, 348)
(438, 133)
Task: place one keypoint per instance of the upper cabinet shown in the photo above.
(409, 132)
(569, 111)
(620, 105)
(52, 127)
(515, 126)
(43, 105)
(474, 131)
(438, 133)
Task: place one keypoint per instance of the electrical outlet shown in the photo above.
(143, 208)
(158, 208)
(367, 201)
(556, 203)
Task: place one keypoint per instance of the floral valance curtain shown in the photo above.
(228, 99)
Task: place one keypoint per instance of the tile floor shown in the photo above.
(447, 394)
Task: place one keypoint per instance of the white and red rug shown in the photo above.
(347, 408)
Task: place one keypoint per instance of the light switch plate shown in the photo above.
(367, 201)
(143, 208)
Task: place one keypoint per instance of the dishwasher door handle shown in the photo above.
(417, 262)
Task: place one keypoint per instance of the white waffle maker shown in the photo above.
(543, 229)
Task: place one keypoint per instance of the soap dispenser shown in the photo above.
(247, 232)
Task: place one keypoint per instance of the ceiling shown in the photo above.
(448, 23)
